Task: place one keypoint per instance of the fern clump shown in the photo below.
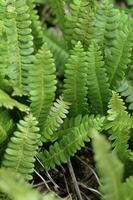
(65, 74)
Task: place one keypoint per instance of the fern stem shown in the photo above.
(75, 183)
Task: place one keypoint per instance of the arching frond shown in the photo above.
(55, 118)
(72, 141)
(7, 102)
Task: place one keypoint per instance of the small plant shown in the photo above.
(57, 91)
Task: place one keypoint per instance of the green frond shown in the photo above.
(61, 151)
(120, 123)
(55, 118)
(16, 20)
(127, 189)
(58, 9)
(36, 26)
(79, 23)
(109, 167)
(9, 103)
(15, 187)
(120, 54)
(73, 122)
(69, 143)
(116, 106)
(126, 91)
(106, 24)
(75, 90)
(3, 50)
(97, 81)
(22, 148)
(42, 84)
(56, 44)
(5, 125)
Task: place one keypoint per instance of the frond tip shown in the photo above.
(9, 103)
(42, 83)
(55, 118)
(75, 89)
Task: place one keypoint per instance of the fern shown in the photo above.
(36, 26)
(16, 188)
(120, 131)
(16, 19)
(55, 119)
(5, 125)
(19, 155)
(75, 91)
(110, 175)
(42, 84)
(9, 103)
(126, 91)
(3, 50)
(98, 87)
(58, 9)
(120, 55)
(127, 189)
(73, 122)
(79, 23)
(69, 144)
(106, 24)
(58, 48)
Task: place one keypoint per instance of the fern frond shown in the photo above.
(5, 125)
(72, 141)
(120, 55)
(127, 189)
(75, 89)
(15, 187)
(55, 118)
(58, 9)
(22, 147)
(110, 175)
(106, 24)
(3, 51)
(79, 23)
(42, 84)
(116, 106)
(120, 123)
(73, 122)
(36, 25)
(126, 91)
(61, 151)
(98, 87)
(58, 49)
(17, 23)
(9, 103)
